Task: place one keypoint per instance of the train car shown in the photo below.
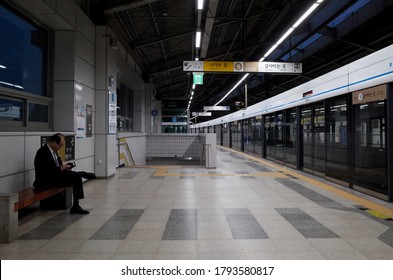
(337, 126)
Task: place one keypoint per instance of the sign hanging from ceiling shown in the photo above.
(201, 114)
(198, 78)
(216, 108)
(242, 67)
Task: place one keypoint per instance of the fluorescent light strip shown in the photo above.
(238, 83)
(200, 4)
(2, 66)
(283, 37)
(305, 15)
(198, 39)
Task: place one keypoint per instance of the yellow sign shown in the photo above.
(218, 66)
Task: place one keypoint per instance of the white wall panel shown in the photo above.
(32, 144)
(85, 26)
(137, 144)
(101, 73)
(29, 179)
(85, 164)
(12, 183)
(84, 95)
(84, 72)
(100, 115)
(112, 154)
(84, 147)
(100, 155)
(67, 10)
(85, 49)
(63, 106)
(64, 55)
(34, 7)
(12, 154)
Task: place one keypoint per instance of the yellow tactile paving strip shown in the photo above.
(359, 200)
(163, 171)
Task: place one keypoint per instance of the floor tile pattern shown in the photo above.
(119, 225)
(246, 208)
(243, 224)
(181, 225)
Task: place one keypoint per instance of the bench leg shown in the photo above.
(8, 218)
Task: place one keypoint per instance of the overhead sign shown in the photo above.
(201, 114)
(192, 65)
(217, 66)
(198, 78)
(242, 67)
(216, 108)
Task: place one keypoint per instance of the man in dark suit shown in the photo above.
(51, 172)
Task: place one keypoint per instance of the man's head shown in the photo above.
(56, 141)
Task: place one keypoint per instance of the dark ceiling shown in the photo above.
(160, 35)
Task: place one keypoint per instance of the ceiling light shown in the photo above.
(290, 30)
(286, 34)
(198, 39)
(305, 15)
(193, 86)
(2, 66)
(238, 83)
(200, 4)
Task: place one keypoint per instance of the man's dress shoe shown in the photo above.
(78, 210)
(87, 175)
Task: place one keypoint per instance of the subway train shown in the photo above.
(338, 126)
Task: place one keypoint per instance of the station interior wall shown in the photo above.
(83, 61)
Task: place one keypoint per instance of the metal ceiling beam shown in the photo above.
(158, 32)
(132, 5)
(160, 39)
(208, 27)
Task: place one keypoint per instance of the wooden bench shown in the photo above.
(10, 204)
(29, 196)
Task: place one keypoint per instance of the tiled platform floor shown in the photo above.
(244, 209)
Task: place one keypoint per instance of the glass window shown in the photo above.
(11, 109)
(38, 113)
(23, 54)
(257, 135)
(125, 109)
(290, 136)
(24, 102)
(279, 136)
(305, 121)
(236, 134)
(225, 134)
(370, 153)
(270, 136)
(218, 134)
(336, 138)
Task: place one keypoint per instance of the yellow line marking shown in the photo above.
(376, 214)
(362, 201)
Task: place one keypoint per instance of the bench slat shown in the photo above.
(30, 196)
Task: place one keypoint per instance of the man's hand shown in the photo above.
(65, 166)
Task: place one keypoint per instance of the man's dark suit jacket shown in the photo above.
(47, 174)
